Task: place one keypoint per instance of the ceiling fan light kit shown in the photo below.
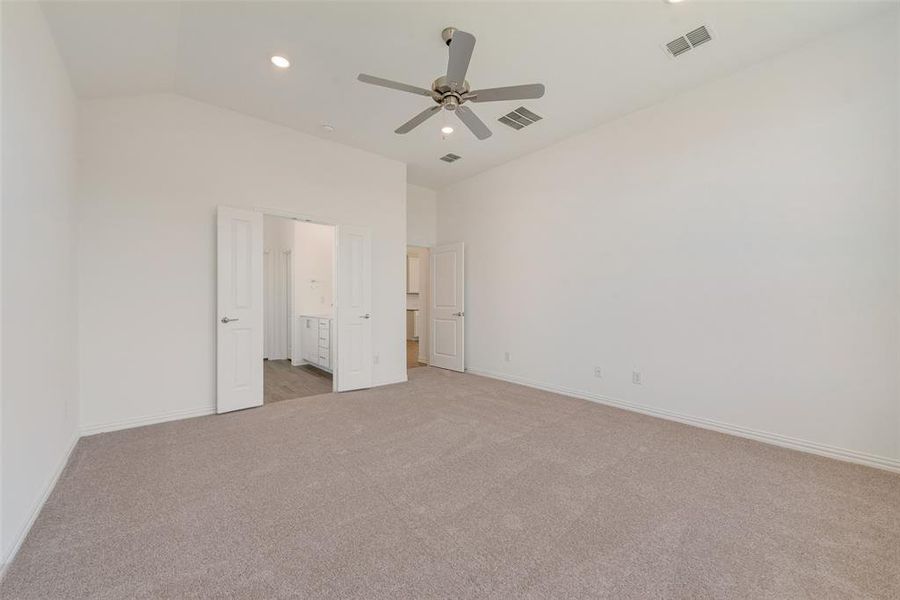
(452, 91)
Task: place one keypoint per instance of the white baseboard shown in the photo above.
(403, 379)
(870, 460)
(173, 415)
(38, 505)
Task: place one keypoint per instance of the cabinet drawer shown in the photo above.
(324, 324)
(324, 361)
(323, 345)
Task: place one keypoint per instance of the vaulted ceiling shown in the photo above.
(597, 60)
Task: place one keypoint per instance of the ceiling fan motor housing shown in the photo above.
(447, 34)
(450, 102)
(448, 96)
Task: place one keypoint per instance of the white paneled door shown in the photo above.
(239, 318)
(354, 308)
(448, 307)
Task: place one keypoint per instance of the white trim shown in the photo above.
(173, 415)
(862, 458)
(36, 509)
(405, 379)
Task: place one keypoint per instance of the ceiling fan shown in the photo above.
(451, 91)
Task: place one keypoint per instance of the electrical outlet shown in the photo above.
(636, 377)
(375, 359)
(506, 356)
(598, 372)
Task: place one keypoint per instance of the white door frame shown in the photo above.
(296, 216)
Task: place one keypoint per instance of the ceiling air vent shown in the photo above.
(678, 46)
(685, 42)
(698, 36)
(519, 118)
(449, 158)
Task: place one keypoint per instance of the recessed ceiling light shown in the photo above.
(328, 128)
(281, 62)
(446, 130)
(674, 1)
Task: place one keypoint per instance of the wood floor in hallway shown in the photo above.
(283, 381)
(412, 354)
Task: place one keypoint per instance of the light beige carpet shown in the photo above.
(455, 486)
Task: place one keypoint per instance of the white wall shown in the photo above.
(421, 216)
(39, 353)
(278, 234)
(153, 169)
(313, 269)
(896, 52)
(738, 244)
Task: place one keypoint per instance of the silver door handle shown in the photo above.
(459, 314)
(227, 320)
(365, 316)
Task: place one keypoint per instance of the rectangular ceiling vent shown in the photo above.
(690, 40)
(519, 118)
(449, 158)
(698, 36)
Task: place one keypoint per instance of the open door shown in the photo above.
(239, 318)
(448, 307)
(354, 308)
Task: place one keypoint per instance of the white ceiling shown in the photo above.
(598, 61)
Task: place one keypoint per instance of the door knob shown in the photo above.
(365, 316)
(227, 320)
(459, 314)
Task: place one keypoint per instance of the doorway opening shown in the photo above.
(298, 308)
(417, 277)
(341, 341)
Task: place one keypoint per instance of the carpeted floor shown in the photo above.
(455, 486)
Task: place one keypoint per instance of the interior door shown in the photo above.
(354, 308)
(239, 318)
(448, 307)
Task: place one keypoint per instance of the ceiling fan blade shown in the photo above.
(513, 92)
(461, 46)
(472, 121)
(418, 119)
(395, 85)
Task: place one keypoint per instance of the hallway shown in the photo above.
(284, 381)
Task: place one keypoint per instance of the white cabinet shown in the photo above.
(315, 341)
(412, 275)
(309, 336)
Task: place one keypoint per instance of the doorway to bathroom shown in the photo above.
(298, 308)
